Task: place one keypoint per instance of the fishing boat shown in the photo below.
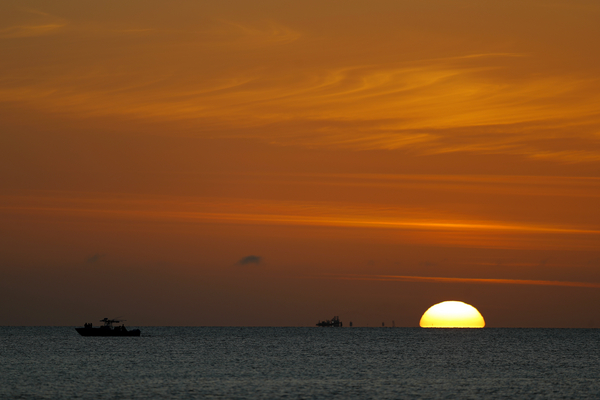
(331, 323)
(107, 329)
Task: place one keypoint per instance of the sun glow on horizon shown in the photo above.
(452, 314)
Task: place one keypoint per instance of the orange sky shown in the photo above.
(374, 158)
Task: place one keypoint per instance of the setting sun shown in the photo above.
(452, 314)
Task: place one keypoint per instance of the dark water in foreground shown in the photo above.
(255, 363)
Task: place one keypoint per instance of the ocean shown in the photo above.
(300, 363)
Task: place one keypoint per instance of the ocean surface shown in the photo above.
(300, 363)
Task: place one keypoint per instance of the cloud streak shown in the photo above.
(431, 279)
(309, 220)
(29, 30)
(399, 217)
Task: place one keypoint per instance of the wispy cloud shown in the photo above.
(334, 213)
(408, 224)
(255, 34)
(306, 219)
(29, 30)
(32, 23)
(464, 103)
(431, 279)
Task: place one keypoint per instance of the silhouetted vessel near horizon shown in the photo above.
(331, 323)
(107, 329)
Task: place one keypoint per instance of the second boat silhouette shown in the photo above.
(331, 323)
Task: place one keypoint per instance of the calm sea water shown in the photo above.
(258, 363)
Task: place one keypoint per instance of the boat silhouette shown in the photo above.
(331, 323)
(107, 329)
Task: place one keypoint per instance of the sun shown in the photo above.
(452, 314)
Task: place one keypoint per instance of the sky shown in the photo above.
(276, 163)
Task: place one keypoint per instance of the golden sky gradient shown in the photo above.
(374, 158)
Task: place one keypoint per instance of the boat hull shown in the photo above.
(106, 332)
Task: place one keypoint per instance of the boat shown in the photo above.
(331, 323)
(107, 329)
